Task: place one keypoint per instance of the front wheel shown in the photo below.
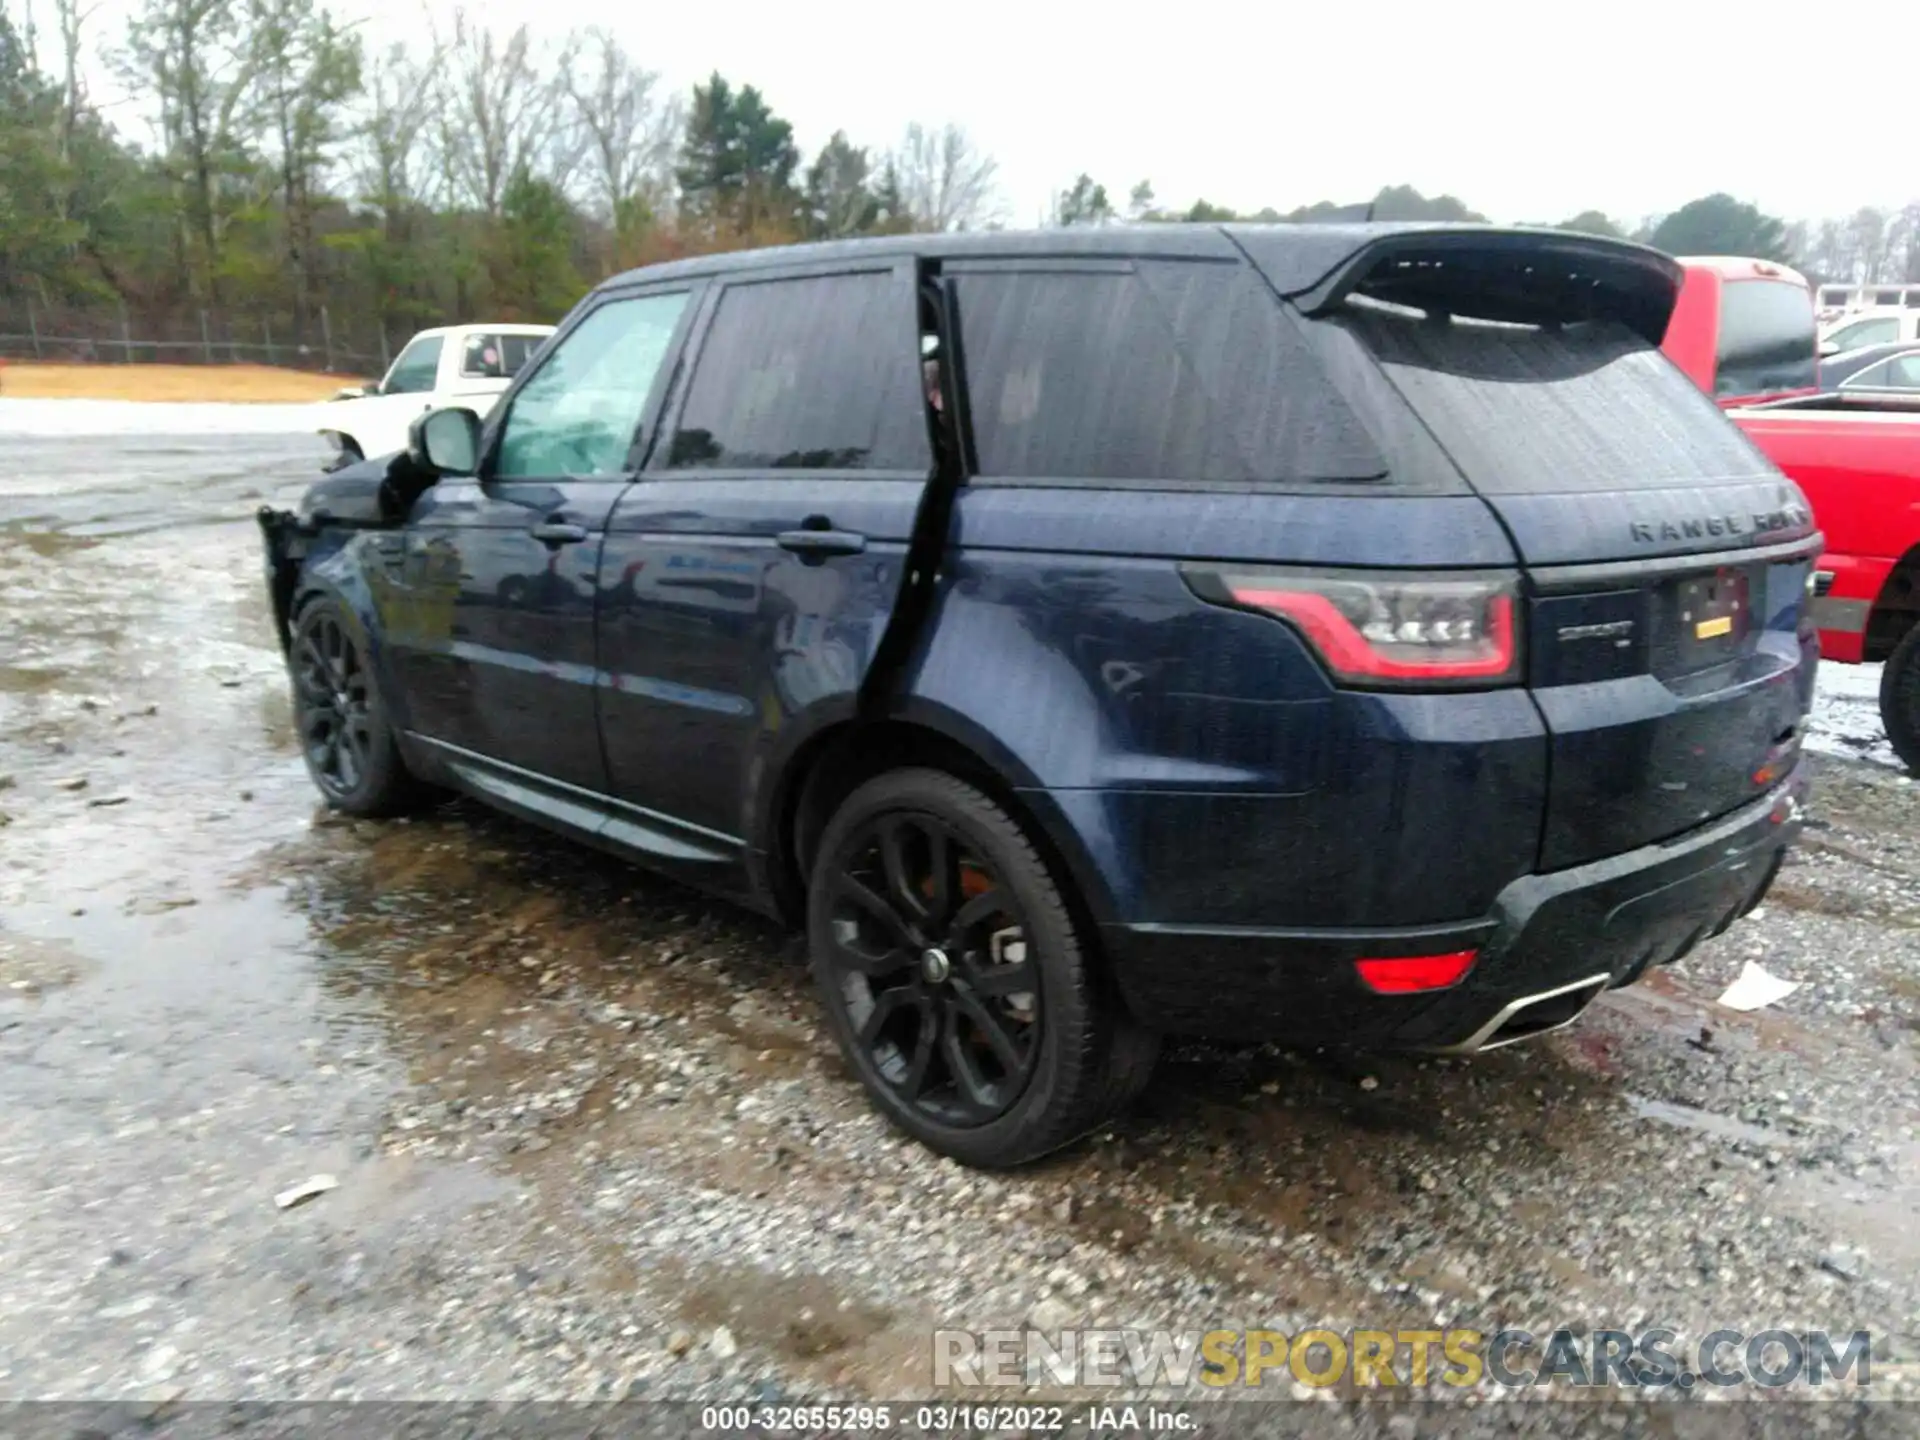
(341, 716)
(955, 979)
(1900, 699)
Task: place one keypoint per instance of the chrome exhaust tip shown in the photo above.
(1538, 1014)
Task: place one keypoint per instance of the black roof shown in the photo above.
(1415, 262)
(1295, 257)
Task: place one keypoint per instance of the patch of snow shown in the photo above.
(1846, 715)
(139, 417)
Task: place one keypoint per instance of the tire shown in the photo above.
(1900, 699)
(341, 717)
(921, 890)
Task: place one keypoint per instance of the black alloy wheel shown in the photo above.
(933, 953)
(332, 697)
(340, 716)
(955, 977)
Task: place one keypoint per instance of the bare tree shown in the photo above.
(192, 57)
(946, 183)
(392, 152)
(497, 115)
(1906, 232)
(628, 126)
(1868, 228)
(71, 16)
(307, 68)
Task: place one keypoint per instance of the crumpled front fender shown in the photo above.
(286, 539)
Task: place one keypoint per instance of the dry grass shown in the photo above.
(22, 379)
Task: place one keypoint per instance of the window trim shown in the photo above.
(646, 427)
(901, 273)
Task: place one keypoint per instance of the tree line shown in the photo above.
(1871, 246)
(292, 174)
(478, 173)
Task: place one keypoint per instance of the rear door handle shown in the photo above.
(558, 532)
(818, 544)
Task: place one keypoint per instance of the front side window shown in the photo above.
(1865, 332)
(417, 369)
(496, 357)
(820, 373)
(576, 416)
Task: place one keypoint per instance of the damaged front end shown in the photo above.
(365, 495)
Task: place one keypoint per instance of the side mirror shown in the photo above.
(445, 442)
(1829, 347)
(354, 392)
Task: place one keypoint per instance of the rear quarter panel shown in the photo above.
(1196, 761)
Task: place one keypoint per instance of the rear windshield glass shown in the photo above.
(497, 357)
(1766, 338)
(1589, 407)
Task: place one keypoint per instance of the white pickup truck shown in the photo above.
(454, 365)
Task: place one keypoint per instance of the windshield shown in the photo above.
(1766, 338)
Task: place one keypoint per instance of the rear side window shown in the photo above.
(1160, 374)
(1588, 407)
(820, 373)
(1766, 339)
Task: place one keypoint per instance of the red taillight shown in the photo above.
(1406, 974)
(1387, 628)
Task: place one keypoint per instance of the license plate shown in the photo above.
(1714, 606)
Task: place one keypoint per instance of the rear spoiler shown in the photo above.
(1476, 272)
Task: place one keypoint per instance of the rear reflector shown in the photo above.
(1406, 974)
(1387, 629)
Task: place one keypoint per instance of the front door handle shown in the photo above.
(558, 532)
(816, 545)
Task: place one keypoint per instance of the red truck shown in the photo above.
(1744, 331)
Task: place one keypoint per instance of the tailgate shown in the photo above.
(1672, 692)
(1667, 563)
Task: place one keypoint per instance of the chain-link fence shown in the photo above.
(29, 331)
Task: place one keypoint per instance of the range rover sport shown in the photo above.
(1346, 635)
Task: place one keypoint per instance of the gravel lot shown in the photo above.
(591, 1141)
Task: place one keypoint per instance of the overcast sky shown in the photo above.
(1527, 111)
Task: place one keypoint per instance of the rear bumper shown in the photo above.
(1552, 944)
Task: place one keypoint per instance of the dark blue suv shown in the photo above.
(1345, 635)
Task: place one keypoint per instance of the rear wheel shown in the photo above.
(1900, 699)
(955, 978)
(341, 717)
